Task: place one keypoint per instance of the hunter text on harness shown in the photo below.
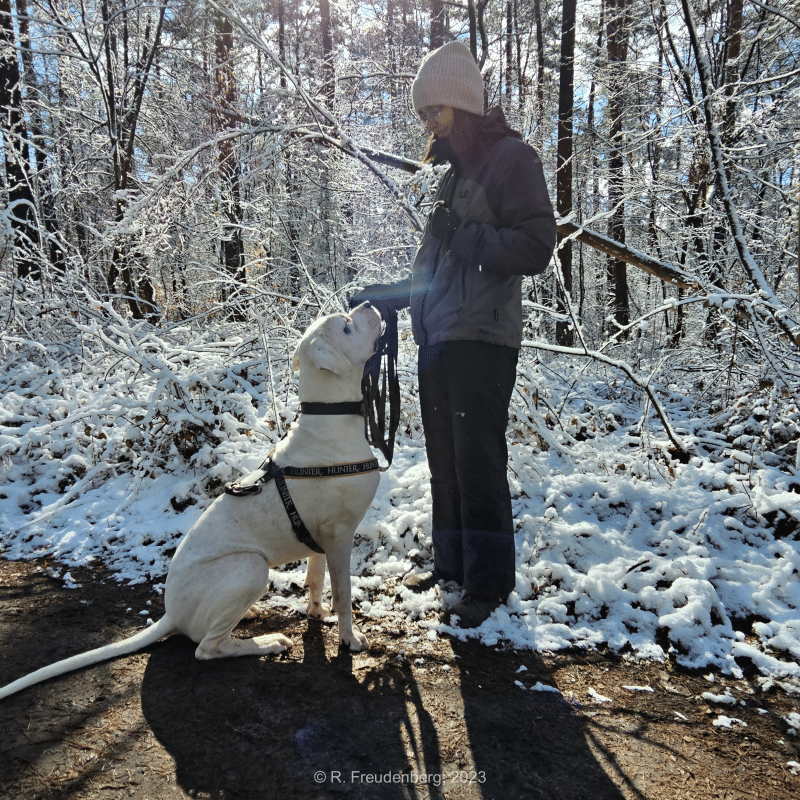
(269, 470)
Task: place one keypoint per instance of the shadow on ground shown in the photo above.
(312, 725)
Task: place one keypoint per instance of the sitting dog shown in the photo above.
(221, 567)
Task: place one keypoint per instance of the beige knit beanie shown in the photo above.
(449, 76)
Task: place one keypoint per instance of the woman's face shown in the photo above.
(438, 120)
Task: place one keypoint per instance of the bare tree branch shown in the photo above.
(623, 367)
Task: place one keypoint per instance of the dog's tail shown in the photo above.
(130, 645)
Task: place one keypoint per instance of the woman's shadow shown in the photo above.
(298, 725)
(526, 742)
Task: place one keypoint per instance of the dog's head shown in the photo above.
(340, 343)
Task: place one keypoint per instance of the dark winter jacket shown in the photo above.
(469, 288)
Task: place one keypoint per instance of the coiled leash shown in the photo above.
(379, 384)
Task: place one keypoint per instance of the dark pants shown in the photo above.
(465, 389)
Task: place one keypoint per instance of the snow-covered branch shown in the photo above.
(626, 369)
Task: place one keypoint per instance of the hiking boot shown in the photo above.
(421, 581)
(472, 611)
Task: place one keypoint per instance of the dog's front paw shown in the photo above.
(318, 610)
(356, 641)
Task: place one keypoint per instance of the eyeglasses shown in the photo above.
(431, 113)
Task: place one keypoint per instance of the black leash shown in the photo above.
(380, 384)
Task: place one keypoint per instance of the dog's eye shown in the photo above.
(347, 327)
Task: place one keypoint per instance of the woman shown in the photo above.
(491, 223)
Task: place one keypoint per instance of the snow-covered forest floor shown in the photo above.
(111, 448)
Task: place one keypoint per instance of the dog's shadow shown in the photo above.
(302, 724)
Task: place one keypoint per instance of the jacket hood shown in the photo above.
(494, 121)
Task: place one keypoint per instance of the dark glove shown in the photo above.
(443, 221)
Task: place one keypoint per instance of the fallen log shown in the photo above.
(652, 266)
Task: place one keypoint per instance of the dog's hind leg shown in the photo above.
(315, 580)
(226, 647)
(239, 580)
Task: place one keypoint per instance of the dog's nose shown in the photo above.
(368, 305)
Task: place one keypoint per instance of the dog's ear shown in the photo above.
(296, 356)
(325, 356)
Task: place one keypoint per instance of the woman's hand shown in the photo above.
(384, 297)
(443, 221)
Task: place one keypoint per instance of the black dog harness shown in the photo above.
(269, 471)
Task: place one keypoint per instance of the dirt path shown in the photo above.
(410, 718)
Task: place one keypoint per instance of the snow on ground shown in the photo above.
(616, 546)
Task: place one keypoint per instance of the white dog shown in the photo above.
(222, 564)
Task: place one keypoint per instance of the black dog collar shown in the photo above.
(354, 407)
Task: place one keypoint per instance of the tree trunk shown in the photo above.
(520, 69)
(437, 24)
(733, 49)
(480, 21)
(232, 246)
(282, 40)
(593, 205)
(328, 91)
(537, 13)
(328, 75)
(123, 119)
(509, 51)
(617, 43)
(394, 100)
(654, 156)
(564, 158)
(46, 204)
(15, 143)
(473, 29)
(590, 124)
